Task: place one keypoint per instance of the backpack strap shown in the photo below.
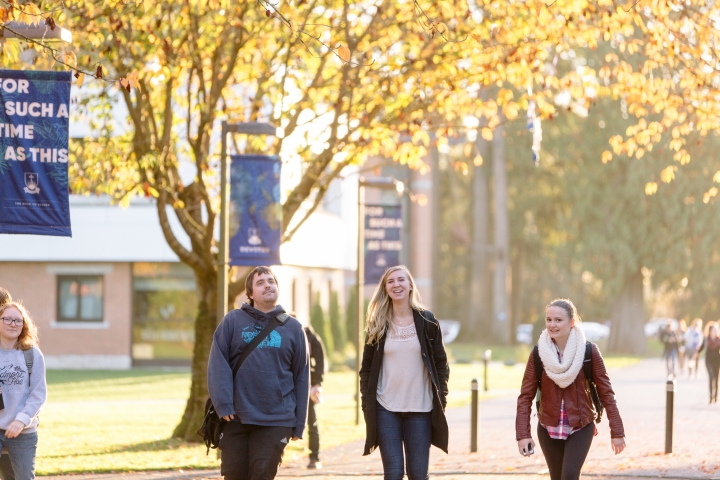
(538, 366)
(587, 362)
(29, 359)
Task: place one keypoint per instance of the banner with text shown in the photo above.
(383, 241)
(255, 210)
(34, 125)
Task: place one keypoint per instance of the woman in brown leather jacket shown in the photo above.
(566, 412)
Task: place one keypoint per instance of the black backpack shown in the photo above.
(587, 369)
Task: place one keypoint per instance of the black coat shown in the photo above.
(435, 360)
(317, 357)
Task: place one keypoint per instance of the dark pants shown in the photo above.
(565, 458)
(313, 433)
(713, 371)
(414, 431)
(6, 470)
(252, 452)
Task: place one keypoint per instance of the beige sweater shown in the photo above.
(404, 384)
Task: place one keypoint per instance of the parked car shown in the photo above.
(652, 328)
(595, 331)
(523, 333)
(450, 330)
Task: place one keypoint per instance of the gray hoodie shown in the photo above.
(272, 385)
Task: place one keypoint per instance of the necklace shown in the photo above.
(402, 321)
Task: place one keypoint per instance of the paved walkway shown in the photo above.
(641, 395)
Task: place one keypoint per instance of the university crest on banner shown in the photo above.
(34, 126)
(31, 183)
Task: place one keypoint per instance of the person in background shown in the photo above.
(682, 328)
(669, 338)
(25, 392)
(317, 372)
(5, 296)
(693, 342)
(712, 357)
(566, 414)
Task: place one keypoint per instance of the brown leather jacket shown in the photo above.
(578, 403)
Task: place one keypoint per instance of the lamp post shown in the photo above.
(253, 128)
(486, 359)
(35, 31)
(382, 183)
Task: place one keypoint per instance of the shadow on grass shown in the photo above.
(57, 377)
(153, 446)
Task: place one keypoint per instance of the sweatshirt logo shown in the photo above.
(273, 340)
(12, 375)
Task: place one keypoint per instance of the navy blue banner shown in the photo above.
(383, 241)
(255, 210)
(34, 123)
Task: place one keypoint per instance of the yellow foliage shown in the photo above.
(710, 194)
(607, 156)
(668, 173)
(651, 188)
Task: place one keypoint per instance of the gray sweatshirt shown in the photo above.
(272, 385)
(23, 398)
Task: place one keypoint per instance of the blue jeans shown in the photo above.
(414, 431)
(21, 451)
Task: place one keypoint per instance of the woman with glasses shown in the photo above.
(22, 388)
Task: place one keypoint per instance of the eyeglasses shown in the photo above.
(10, 321)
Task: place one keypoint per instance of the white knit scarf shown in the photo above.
(563, 373)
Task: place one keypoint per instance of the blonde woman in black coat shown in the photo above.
(403, 379)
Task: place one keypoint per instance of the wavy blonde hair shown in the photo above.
(28, 335)
(380, 310)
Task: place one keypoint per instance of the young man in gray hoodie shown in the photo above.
(265, 405)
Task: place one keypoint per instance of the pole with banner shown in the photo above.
(378, 257)
(383, 240)
(222, 278)
(34, 128)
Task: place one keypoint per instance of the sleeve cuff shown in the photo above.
(224, 410)
(26, 420)
(298, 431)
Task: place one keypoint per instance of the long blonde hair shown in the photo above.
(28, 335)
(380, 310)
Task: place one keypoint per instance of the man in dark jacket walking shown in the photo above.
(317, 372)
(265, 405)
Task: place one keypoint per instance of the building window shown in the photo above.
(80, 298)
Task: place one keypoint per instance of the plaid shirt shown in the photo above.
(563, 430)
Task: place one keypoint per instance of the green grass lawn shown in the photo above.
(99, 421)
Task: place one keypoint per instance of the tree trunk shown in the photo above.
(628, 318)
(205, 325)
(501, 320)
(479, 300)
(516, 292)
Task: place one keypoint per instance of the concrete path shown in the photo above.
(641, 395)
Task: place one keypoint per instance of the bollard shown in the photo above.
(486, 359)
(474, 416)
(669, 414)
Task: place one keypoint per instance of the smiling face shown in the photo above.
(558, 323)
(264, 290)
(12, 331)
(398, 286)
